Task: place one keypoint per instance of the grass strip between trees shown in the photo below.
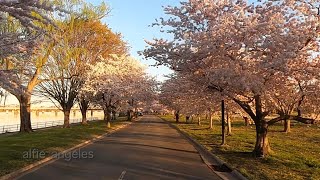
(295, 155)
(50, 141)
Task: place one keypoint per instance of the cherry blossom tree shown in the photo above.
(142, 92)
(22, 76)
(243, 51)
(156, 106)
(28, 12)
(184, 95)
(24, 50)
(29, 15)
(114, 81)
(310, 100)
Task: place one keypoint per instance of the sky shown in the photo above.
(132, 18)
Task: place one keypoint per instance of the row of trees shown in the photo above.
(262, 57)
(73, 58)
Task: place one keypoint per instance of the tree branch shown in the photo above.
(290, 117)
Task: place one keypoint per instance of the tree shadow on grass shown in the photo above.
(217, 149)
(183, 123)
(200, 128)
(276, 131)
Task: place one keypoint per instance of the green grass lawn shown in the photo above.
(13, 146)
(294, 156)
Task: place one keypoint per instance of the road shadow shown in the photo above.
(144, 145)
(149, 122)
(184, 123)
(145, 169)
(133, 135)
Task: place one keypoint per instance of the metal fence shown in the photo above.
(41, 125)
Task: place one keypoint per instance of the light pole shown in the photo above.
(223, 124)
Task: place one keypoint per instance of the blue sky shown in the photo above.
(132, 19)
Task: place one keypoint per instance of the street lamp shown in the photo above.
(223, 123)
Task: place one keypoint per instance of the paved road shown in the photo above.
(147, 149)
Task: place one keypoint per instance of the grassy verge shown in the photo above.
(50, 141)
(295, 155)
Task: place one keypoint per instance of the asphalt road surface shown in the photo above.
(147, 149)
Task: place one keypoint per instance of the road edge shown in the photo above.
(209, 157)
(34, 166)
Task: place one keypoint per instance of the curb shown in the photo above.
(51, 159)
(210, 159)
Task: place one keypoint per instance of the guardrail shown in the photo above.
(41, 125)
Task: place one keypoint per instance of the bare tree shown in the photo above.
(62, 91)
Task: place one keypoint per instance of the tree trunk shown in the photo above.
(199, 120)
(246, 120)
(262, 147)
(177, 116)
(114, 118)
(187, 119)
(299, 112)
(84, 105)
(105, 112)
(129, 115)
(66, 114)
(108, 116)
(25, 116)
(211, 120)
(287, 126)
(229, 133)
(136, 112)
(84, 116)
